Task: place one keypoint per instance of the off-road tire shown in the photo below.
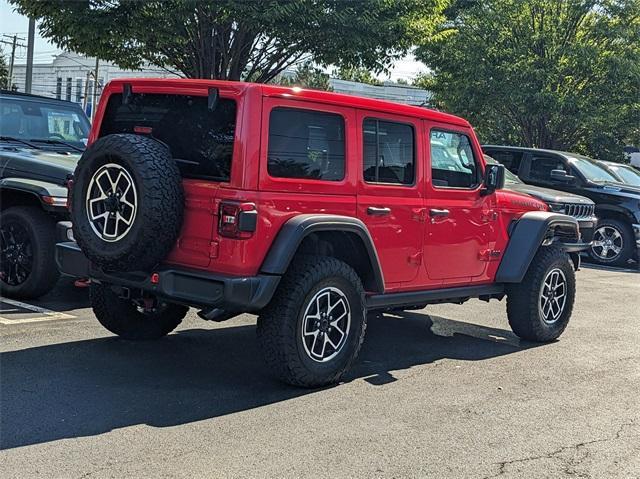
(524, 299)
(279, 324)
(160, 197)
(628, 243)
(122, 318)
(41, 229)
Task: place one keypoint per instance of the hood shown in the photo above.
(616, 189)
(36, 164)
(548, 195)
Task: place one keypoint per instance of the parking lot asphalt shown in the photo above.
(445, 392)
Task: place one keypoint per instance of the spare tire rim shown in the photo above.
(553, 296)
(607, 239)
(112, 202)
(325, 324)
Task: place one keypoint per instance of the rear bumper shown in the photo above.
(189, 287)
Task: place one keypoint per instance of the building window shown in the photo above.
(388, 152)
(69, 86)
(59, 88)
(306, 144)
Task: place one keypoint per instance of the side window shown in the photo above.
(388, 152)
(453, 164)
(510, 159)
(541, 167)
(305, 144)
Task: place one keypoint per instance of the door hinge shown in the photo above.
(213, 249)
(490, 254)
(419, 214)
(416, 258)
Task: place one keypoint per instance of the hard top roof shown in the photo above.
(566, 154)
(31, 97)
(297, 93)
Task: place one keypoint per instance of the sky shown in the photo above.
(13, 23)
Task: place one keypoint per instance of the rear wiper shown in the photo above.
(57, 142)
(18, 140)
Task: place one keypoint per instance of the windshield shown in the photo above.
(592, 171)
(627, 174)
(509, 178)
(31, 120)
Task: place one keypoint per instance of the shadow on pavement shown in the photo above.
(90, 387)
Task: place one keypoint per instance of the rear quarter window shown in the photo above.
(201, 141)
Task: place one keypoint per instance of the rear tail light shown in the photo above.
(237, 220)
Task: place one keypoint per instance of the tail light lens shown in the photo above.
(237, 220)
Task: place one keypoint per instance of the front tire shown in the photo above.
(312, 330)
(27, 264)
(613, 243)
(132, 321)
(540, 306)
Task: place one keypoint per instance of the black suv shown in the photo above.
(616, 239)
(41, 140)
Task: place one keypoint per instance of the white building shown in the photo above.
(70, 77)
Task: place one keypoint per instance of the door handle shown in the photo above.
(376, 211)
(435, 213)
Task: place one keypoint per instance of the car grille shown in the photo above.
(579, 211)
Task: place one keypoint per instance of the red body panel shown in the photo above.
(415, 252)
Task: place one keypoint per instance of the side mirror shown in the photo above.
(493, 178)
(562, 176)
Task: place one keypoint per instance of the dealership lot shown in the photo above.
(444, 392)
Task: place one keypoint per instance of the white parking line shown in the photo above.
(48, 315)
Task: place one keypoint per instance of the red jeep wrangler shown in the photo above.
(307, 208)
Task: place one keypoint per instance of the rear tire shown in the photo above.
(123, 318)
(312, 330)
(27, 264)
(613, 243)
(540, 306)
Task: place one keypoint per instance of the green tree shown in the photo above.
(357, 74)
(4, 72)
(307, 75)
(561, 74)
(237, 39)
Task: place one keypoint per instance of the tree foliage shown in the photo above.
(4, 72)
(357, 74)
(562, 74)
(308, 76)
(237, 39)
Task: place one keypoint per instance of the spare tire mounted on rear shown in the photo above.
(126, 202)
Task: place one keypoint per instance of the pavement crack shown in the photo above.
(571, 463)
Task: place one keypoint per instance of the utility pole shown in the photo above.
(86, 92)
(28, 81)
(95, 89)
(14, 43)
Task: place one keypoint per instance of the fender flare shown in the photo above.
(34, 187)
(526, 237)
(292, 233)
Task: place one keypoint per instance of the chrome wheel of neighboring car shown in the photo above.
(16, 253)
(607, 243)
(112, 202)
(326, 323)
(553, 296)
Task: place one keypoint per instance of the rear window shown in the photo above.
(201, 141)
(306, 144)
